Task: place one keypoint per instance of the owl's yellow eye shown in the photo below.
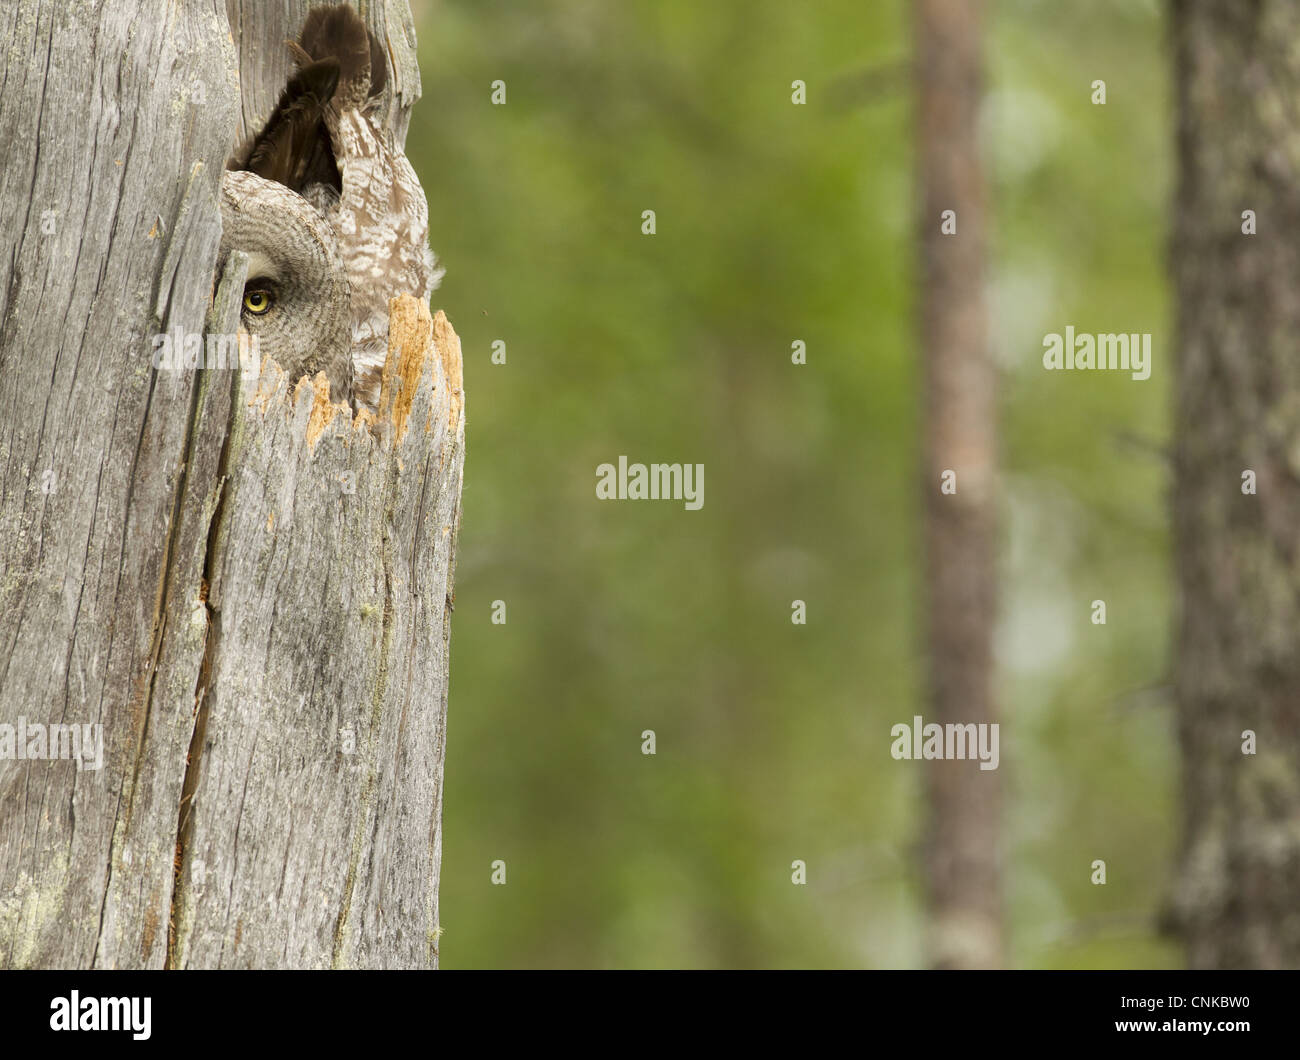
(257, 302)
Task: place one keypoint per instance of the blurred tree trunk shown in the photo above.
(245, 591)
(962, 850)
(1237, 381)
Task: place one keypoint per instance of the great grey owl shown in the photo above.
(331, 214)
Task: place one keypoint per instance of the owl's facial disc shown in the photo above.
(295, 299)
(262, 267)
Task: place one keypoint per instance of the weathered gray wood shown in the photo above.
(199, 580)
(296, 851)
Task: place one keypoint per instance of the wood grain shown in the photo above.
(244, 587)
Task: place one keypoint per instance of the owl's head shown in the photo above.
(295, 299)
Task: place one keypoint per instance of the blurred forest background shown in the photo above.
(779, 223)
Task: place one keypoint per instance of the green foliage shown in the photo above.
(779, 222)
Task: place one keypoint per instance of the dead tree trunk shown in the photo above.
(1237, 535)
(247, 591)
(962, 856)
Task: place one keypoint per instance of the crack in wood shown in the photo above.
(225, 317)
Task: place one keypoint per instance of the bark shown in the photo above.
(962, 857)
(246, 590)
(1237, 385)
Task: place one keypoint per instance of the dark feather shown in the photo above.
(378, 68)
(338, 33)
(294, 147)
